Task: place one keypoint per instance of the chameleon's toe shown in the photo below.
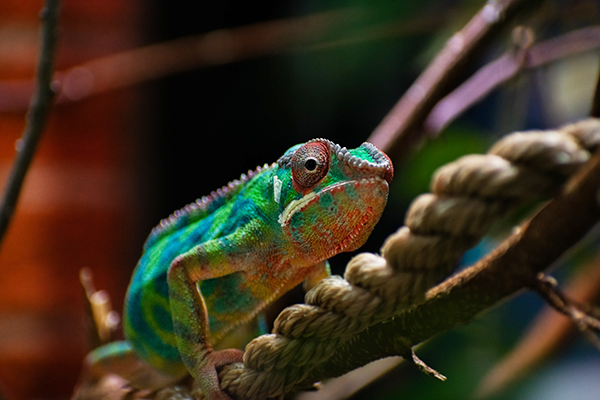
(207, 377)
(209, 383)
(227, 356)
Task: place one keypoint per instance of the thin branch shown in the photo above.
(506, 67)
(412, 358)
(546, 334)
(131, 67)
(397, 133)
(547, 288)
(36, 116)
(218, 47)
(595, 111)
(101, 320)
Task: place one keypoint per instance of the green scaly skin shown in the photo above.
(218, 262)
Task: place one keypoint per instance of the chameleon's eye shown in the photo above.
(310, 163)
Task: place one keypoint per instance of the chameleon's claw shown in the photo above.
(208, 378)
(208, 381)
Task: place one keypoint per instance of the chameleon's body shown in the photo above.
(242, 247)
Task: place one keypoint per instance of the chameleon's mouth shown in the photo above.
(294, 206)
(302, 203)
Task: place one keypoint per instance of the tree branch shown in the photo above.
(36, 116)
(397, 133)
(547, 288)
(506, 67)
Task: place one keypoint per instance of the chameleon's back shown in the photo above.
(148, 323)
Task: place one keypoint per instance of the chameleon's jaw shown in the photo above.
(302, 203)
(339, 218)
(337, 212)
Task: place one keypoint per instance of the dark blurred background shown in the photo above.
(112, 164)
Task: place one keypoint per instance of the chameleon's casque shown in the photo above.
(218, 262)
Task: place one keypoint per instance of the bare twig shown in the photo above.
(223, 46)
(218, 47)
(506, 67)
(36, 116)
(547, 333)
(595, 110)
(101, 320)
(412, 358)
(397, 133)
(547, 288)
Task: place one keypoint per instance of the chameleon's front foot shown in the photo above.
(206, 376)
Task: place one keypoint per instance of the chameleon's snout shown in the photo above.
(368, 160)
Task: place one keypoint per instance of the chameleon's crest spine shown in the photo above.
(199, 209)
(379, 161)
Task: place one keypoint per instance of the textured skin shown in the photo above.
(243, 246)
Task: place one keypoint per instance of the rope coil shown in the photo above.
(468, 195)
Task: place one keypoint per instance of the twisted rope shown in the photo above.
(468, 195)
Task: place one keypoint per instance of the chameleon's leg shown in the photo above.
(317, 273)
(209, 260)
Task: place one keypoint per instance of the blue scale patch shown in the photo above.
(144, 339)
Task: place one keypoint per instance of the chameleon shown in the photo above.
(218, 262)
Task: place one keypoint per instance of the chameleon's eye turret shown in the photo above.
(310, 163)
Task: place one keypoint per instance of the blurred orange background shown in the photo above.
(72, 211)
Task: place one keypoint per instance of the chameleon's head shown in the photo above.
(330, 198)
